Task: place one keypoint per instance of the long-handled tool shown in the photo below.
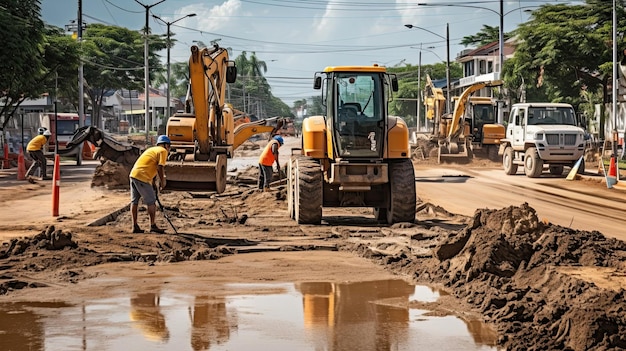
(156, 194)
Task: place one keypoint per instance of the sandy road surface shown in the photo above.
(540, 285)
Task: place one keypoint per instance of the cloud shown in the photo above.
(213, 18)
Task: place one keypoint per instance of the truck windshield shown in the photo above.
(551, 115)
(67, 127)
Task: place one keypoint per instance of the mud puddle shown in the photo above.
(302, 316)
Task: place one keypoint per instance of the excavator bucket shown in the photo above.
(454, 152)
(197, 175)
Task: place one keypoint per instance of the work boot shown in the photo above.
(155, 229)
(136, 229)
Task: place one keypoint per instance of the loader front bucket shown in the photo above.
(197, 175)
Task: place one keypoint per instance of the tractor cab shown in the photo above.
(356, 110)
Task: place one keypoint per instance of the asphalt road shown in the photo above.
(585, 204)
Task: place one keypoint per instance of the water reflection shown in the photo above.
(371, 315)
(356, 316)
(146, 315)
(209, 322)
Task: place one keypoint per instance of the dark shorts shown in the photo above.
(139, 189)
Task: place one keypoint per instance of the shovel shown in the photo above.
(156, 194)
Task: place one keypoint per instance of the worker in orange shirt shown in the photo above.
(35, 150)
(148, 166)
(268, 157)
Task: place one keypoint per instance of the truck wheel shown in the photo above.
(402, 196)
(533, 165)
(510, 168)
(556, 170)
(308, 191)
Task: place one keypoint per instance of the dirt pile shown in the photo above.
(540, 284)
(111, 175)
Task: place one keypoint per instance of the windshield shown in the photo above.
(551, 115)
(360, 109)
(66, 127)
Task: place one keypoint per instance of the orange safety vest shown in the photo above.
(267, 156)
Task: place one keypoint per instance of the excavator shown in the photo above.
(356, 154)
(204, 136)
(457, 134)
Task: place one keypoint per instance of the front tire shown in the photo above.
(510, 168)
(308, 191)
(402, 195)
(533, 165)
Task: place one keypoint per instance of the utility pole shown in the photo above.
(419, 90)
(81, 93)
(147, 68)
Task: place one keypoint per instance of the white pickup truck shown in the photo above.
(542, 134)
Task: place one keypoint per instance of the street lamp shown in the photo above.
(447, 39)
(169, 46)
(146, 68)
(500, 13)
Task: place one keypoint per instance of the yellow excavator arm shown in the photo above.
(244, 131)
(459, 108)
(207, 77)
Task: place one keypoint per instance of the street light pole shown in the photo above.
(169, 46)
(447, 39)
(147, 68)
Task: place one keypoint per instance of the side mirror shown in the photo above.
(231, 73)
(317, 84)
(394, 83)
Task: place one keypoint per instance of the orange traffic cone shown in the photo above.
(56, 183)
(611, 178)
(21, 167)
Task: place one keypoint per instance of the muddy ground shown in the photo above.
(541, 286)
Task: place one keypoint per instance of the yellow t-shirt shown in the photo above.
(36, 143)
(145, 168)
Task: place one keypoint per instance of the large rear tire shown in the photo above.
(510, 168)
(308, 191)
(533, 165)
(402, 196)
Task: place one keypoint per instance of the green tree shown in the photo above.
(564, 52)
(22, 69)
(61, 59)
(486, 35)
(114, 59)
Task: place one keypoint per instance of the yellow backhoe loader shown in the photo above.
(204, 136)
(356, 155)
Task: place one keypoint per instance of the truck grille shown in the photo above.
(561, 139)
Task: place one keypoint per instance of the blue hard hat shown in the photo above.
(279, 139)
(163, 139)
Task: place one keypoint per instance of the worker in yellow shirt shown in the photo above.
(150, 164)
(35, 150)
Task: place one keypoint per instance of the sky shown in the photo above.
(297, 38)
